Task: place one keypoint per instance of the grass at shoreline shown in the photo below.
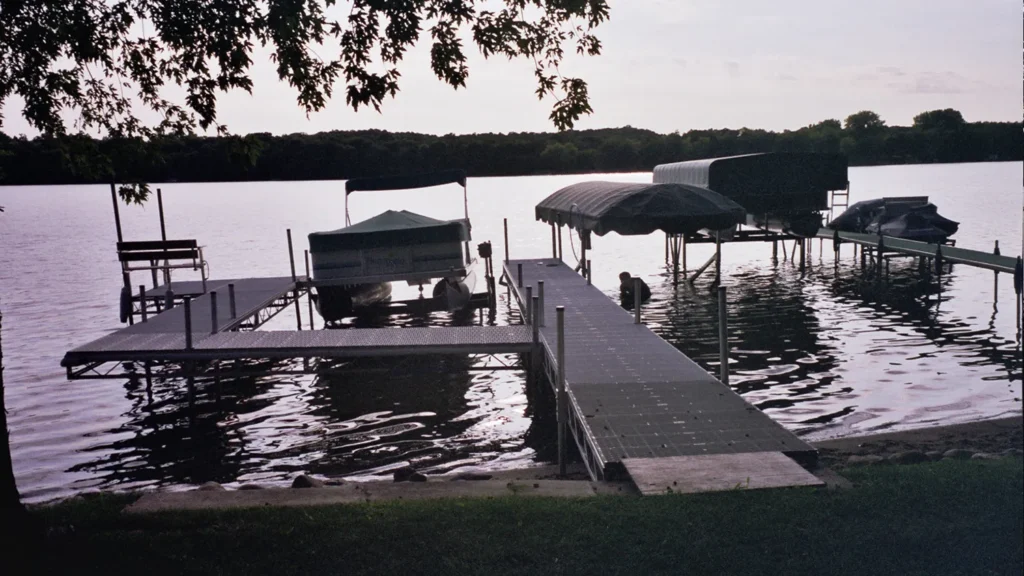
(937, 518)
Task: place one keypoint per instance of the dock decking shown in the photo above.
(631, 393)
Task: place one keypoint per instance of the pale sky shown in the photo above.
(693, 64)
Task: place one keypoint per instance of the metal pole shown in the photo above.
(718, 257)
(160, 208)
(519, 275)
(803, 253)
(117, 211)
(309, 291)
(590, 279)
(666, 247)
(213, 312)
(684, 256)
(506, 239)
(637, 299)
(529, 303)
(540, 295)
(563, 398)
(291, 254)
(560, 241)
(142, 302)
(554, 246)
(723, 337)
(188, 322)
(775, 250)
(231, 301)
(536, 350)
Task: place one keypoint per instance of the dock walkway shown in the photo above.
(634, 397)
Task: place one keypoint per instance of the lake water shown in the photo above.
(826, 353)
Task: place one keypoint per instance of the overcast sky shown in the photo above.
(688, 64)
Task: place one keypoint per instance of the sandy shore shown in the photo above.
(990, 436)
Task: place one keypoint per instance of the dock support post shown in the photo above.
(291, 254)
(142, 302)
(718, 257)
(666, 247)
(213, 312)
(540, 296)
(590, 279)
(231, 301)
(723, 337)
(563, 408)
(529, 304)
(554, 246)
(803, 255)
(506, 239)
(637, 299)
(684, 256)
(519, 275)
(560, 240)
(117, 211)
(309, 291)
(160, 209)
(775, 251)
(535, 351)
(295, 292)
(188, 322)
(1018, 288)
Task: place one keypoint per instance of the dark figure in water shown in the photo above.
(626, 289)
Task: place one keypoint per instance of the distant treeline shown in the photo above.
(936, 136)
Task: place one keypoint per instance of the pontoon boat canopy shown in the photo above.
(635, 209)
(406, 182)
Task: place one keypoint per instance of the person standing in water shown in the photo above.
(626, 288)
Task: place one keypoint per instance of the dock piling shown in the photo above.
(506, 239)
(535, 325)
(637, 299)
(188, 322)
(213, 312)
(309, 291)
(291, 254)
(563, 398)
(718, 257)
(142, 302)
(529, 304)
(590, 279)
(540, 296)
(723, 337)
(519, 275)
(231, 301)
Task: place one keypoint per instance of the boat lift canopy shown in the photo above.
(637, 209)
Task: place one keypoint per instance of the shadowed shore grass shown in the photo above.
(948, 517)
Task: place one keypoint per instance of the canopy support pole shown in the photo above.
(718, 257)
(554, 246)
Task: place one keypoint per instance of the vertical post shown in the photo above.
(117, 211)
(142, 302)
(684, 255)
(535, 324)
(529, 303)
(803, 254)
(666, 247)
(540, 295)
(291, 254)
(554, 246)
(309, 291)
(718, 256)
(637, 298)
(560, 240)
(519, 275)
(775, 250)
(188, 322)
(563, 408)
(213, 312)
(231, 301)
(506, 239)
(590, 279)
(160, 208)
(723, 337)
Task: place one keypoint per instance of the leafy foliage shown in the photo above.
(106, 62)
(337, 155)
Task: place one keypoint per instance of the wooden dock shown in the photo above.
(635, 399)
(162, 337)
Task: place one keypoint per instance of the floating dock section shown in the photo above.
(635, 401)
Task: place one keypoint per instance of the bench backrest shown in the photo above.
(148, 250)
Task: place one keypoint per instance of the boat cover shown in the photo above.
(389, 228)
(407, 182)
(774, 182)
(635, 209)
(913, 218)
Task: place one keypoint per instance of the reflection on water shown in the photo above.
(834, 351)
